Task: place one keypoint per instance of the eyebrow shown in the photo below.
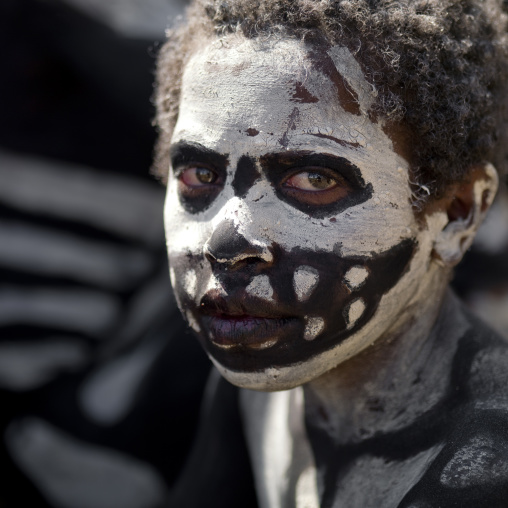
(184, 152)
(341, 142)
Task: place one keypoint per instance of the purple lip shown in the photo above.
(250, 331)
(241, 320)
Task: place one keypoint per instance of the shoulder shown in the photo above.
(471, 471)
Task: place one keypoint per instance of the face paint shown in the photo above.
(260, 287)
(304, 282)
(313, 328)
(190, 282)
(292, 209)
(354, 312)
(356, 276)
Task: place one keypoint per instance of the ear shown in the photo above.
(465, 206)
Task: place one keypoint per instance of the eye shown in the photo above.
(197, 176)
(316, 186)
(311, 181)
(198, 185)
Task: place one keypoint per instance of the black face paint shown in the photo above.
(329, 300)
(302, 95)
(185, 154)
(277, 166)
(293, 119)
(226, 244)
(348, 98)
(245, 176)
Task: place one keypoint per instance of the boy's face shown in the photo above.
(291, 237)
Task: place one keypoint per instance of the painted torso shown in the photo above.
(447, 449)
(279, 448)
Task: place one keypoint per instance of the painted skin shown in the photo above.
(297, 184)
(293, 246)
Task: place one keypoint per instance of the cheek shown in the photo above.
(363, 230)
(356, 276)
(354, 312)
(190, 283)
(185, 232)
(305, 281)
(261, 287)
(313, 327)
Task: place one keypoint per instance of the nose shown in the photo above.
(229, 247)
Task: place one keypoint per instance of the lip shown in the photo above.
(240, 320)
(252, 332)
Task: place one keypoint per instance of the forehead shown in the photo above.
(250, 98)
(280, 91)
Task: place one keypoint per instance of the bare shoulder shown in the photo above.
(472, 468)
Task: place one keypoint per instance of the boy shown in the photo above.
(330, 163)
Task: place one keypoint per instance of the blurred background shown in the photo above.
(100, 383)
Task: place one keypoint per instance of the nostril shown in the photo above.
(208, 255)
(228, 246)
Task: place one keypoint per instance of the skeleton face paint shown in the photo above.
(291, 238)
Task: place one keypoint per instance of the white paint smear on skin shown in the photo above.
(279, 448)
(192, 322)
(263, 345)
(190, 283)
(387, 480)
(351, 71)
(355, 311)
(468, 466)
(307, 495)
(266, 420)
(172, 276)
(305, 281)
(261, 288)
(356, 276)
(458, 235)
(260, 97)
(314, 326)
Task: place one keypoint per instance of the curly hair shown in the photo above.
(440, 68)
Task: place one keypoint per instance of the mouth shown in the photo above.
(244, 322)
(252, 332)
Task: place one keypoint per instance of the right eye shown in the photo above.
(197, 176)
(198, 185)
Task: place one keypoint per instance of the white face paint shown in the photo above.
(260, 287)
(314, 326)
(355, 311)
(356, 276)
(261, 132)
(305, 281)
(190, 282)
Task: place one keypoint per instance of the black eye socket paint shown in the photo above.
(245, 176)
(278, 166)
(186, 153)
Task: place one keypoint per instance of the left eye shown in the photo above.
(196, 176)
(316, 187)
(311, 181)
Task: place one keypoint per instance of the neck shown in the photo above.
(395, 380)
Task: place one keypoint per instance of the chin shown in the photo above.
(273, 379)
